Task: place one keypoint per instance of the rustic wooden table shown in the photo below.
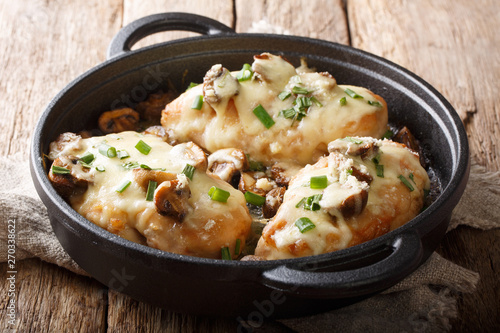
(454, 45)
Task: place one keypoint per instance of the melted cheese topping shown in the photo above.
(390, 203)
(229, 122)
(207, 226)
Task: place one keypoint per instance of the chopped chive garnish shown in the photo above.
(191, 85)
(100, 168)
(352, 93)
(388, 134)
(411, 177)
(304, 224)
(218, 194)
(379, 168)
(349, 171)
(122, 154)
(151, 190)
(197, 102)
(377, 158)
(254, 199)
(107, 150)
(143, 147)
(255, 165)
(299, 90)
(87, 158)
(123, 186)
(237, 247)
(301, 202)
(226, 255)
(59, 170)
(375, 103)
(263, 116)
(245, 73)
(406, 182)
(284, 95)
(310, 203)
(189, 171)
(147, 167)
(318, 182)
(315, 101)
(288, 113)
(303, 102)
(353, 140)
(343, 101)
(130, 165)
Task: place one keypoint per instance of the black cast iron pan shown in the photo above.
(259, 289)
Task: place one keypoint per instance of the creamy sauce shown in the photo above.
(224, 125)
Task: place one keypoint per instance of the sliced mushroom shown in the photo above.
(274, 199)
(68, 142)
(77, 179)
(256, 182)
(192, 153)
(273, 69)
(405, 137)
(151, 108)
(219, 84)
(282, 172)
(118, 120)
(364, 147)
(159, 131)
(171, 199)
(362, 176)
(143, 176)
(347, 199)
(227, 164)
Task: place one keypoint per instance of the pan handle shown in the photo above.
(148, 25)
(406, 256)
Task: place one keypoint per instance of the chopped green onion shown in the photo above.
(226, 255)
(303, 102)
(288, 113)
(299, 90)
(255, 165)
(59, 170)
(284, 95)
(353, 140)
(315, 101)
(151, 190)
(310, 203)
(411, 177)
(218, 194)
(301, 202)
(143, 147)
(189, 171)
(349, 171)
(107, 150)
(375, 103)
(254, 199)
(379, 168)
(318, 182)
(406, 182)
(122, 154)
(388, 134)
(192, 85)
(304, 224)
(87, 158)
(352, 93)
(343, 101)
(245, 73)
(237, 247)
(100, 168)
(377, 158)
(197, 102)
(263, 116)
(130, 165)
(123, 186)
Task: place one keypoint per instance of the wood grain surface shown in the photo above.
(454, 45)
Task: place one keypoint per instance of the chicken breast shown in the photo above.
(273, 111)
(363, 189)
(139, 187)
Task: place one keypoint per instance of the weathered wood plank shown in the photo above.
(307, 18)
(453, 46)
(219, 10)
(49, 299)
(450, 44)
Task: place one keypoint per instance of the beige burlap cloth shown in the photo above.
(423, 302)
